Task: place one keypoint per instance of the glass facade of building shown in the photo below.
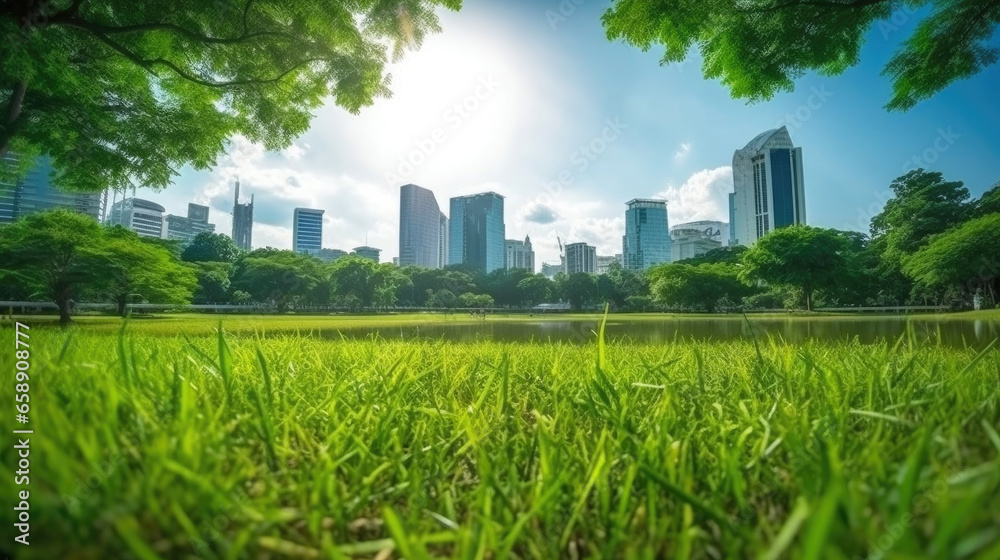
(36, 193)
(768, 185)
(242, 221)
(307, 230)
(477, 231)
(420, 228)
(647, 234)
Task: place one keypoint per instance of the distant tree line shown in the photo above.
(931, 244)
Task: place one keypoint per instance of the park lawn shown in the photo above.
(151, 444)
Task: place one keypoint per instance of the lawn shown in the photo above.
(169, 440)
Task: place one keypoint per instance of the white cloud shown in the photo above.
(704, 196)
(682, 152)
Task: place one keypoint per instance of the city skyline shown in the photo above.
(542, 101)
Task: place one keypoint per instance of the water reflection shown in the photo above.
(951, 332)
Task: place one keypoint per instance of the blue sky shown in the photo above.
(509, 98)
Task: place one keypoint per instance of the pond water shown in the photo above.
(974, 333)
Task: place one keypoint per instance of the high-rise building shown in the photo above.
(694, 239)
(647, 238)
(518, 254)
(36, 193)
(420, 228)
(476, 231)
(604, 262)
(307, 230)
(550, 270)
(732, 219)
(768, 184)
(242, 221)
(141, 216)
(329, 255)
(187, 228)
(368, 252)
(581, 257)
(443, 241)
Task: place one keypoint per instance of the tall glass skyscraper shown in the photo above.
(647, 234)
(36, 193)
(307, 230)
(242, 221)
(421, 229)
(476, 231)
(768, 180)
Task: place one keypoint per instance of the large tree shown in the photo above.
(924, 204)
(211, 247)
(56, 253)
(136, 269)
(126, 92)
(702, 286)
(759, 47)
(801, 257)
(967, 258)
(276, 277)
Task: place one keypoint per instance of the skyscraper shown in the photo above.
(35, 193)
(368, 252)
(242, 221)
(732, 219)
(647, 237)
(476, 231)
(519, 254)
(768, 180)
(581, 257)
(186, 229)
(422, 228)
(141, 216)
(307, 230)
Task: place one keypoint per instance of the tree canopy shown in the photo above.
(802, 257)
(757, 48)
(211, 247)
(125, 92)
(966, 257)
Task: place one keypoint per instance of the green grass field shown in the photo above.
(170, 441)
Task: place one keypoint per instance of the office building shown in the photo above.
(604, 262)
(242, 221)
(185, 229)
(36, 193)
(768, 184)
(368, 253)
(694, 239)
(581, 257)
(329, 255)
(549, 270)
(141, 216)
(423, 229)
(476, 231)
(307, 230)
(732, 219)
(647, 238)
(519, 254)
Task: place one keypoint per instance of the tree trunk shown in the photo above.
(809, 298)
(122, 306)
(62, 300)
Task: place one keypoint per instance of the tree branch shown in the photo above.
(853, 4)
(148, 65)
(97, 28)
(15, 117)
